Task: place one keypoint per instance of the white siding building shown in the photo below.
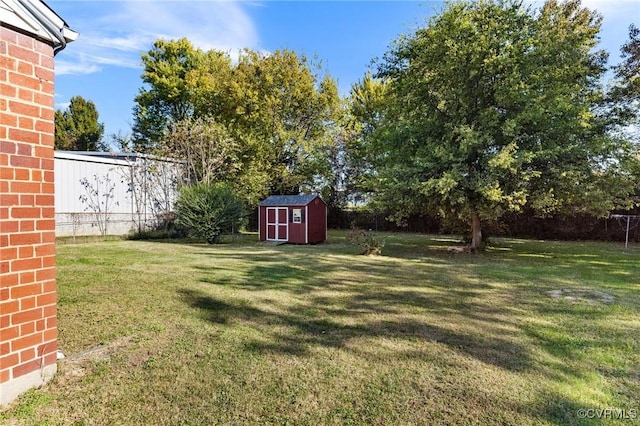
(111, 194)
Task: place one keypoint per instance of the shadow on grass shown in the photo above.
(297, 332)
(471, 304)
(557, 409)
(216, 311)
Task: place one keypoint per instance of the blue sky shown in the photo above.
(103, 65)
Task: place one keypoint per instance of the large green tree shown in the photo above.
(285, 112)
(77, 128)
(491, 109)
(367, 102)
(275, 110)
(181, 82)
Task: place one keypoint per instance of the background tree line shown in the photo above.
(492, 108)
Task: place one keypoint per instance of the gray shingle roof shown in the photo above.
(288, 200)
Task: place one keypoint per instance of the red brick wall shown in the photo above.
(27, 242)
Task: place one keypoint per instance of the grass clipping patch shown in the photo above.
(576, 295)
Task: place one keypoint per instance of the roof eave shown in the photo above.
(37, 19)
(69, 35)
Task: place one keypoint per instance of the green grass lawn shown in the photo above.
(250, 333)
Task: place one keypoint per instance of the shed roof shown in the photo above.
(289, 200)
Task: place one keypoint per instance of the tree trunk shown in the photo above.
(476, 232)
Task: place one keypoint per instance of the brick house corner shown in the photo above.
(30, 35)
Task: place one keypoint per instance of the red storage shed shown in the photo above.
(295, 219)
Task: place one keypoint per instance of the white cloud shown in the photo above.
(131, 43)
(121, 30)
(66, 67)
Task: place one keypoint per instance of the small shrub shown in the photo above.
(366, 241)
(208, 210)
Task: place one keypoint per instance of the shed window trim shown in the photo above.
(296, 216)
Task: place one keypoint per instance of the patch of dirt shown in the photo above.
(77, 364)
(576, 295)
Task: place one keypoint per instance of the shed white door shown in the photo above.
(277, 224)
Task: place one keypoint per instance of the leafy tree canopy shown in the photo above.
(274, 108)
(628, 72)
(491, 109)
(367, 102)
(77, 128)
